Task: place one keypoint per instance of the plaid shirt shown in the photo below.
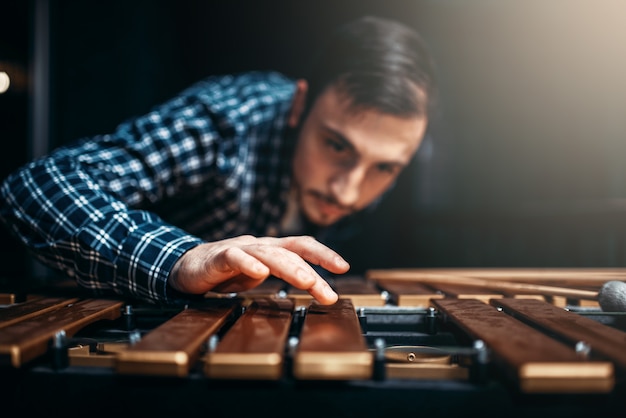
(117, 211)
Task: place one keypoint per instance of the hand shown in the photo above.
(241, 263)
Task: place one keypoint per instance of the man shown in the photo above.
(239, 178)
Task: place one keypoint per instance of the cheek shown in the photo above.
(308, 165)
(316, 173)
(373, 189)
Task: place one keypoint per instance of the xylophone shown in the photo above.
(442, 342)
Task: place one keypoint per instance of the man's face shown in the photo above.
(344, 159)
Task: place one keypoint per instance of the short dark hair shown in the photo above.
(379, 64)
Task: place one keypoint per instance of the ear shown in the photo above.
(298, 103)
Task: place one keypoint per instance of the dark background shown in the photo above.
(523, 165)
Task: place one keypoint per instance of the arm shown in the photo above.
(73, 210)
(79, 211)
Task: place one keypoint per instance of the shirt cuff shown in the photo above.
(146, 258)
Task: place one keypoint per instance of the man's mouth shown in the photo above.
(327, 206)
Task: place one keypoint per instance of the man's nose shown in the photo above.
(346, 186)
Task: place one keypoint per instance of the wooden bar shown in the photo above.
(9, 298)
(426, 371)
(575, 276)
(173, 347)
(406, 293)
(535, 361)
(360, 291)
(604, 341)
(104, 356)
(25, 310)
(494, 284)
(301, 298)
(332, 346)
(465, 292)
(254, 347)
(271, 287)
(25, 340)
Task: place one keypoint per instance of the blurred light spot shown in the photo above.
(5, 81)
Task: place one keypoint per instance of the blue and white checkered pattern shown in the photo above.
(213, 161)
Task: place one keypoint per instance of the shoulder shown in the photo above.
(269, 85)
(253, 96)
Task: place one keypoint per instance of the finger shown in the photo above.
(317, 253)
(237, 284)
(284, 264)
(323, 293)
(236, 260)
(259, 260)
(294, 270)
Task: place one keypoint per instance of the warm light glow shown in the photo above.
(5, 81)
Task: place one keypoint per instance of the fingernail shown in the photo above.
(330, 293)
(341, 262)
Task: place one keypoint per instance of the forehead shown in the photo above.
(392, 136)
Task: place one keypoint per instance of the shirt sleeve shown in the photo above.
(79, 208)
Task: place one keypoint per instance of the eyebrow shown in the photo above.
(347, 143)
(339, 136)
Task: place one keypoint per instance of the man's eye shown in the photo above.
(335, 145)
(387, 168)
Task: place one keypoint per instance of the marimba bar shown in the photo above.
(537, 362)
(332, 345)
(254, 347)
(600, 340)
(172, 348)
(24, 340)
(35, 307)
